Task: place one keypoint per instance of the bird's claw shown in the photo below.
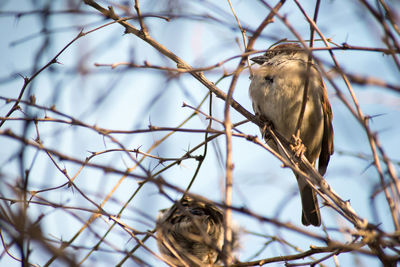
(267, 124)
(297, 146)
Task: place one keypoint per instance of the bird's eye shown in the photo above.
(197, 212)
(269, 79)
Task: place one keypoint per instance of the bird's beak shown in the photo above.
(259, 60)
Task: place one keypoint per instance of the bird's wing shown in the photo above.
(327, 138)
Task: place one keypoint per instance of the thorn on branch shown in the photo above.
(111, 13)
(345, 46)
(251, 137)
(80, 34)
(17, 107)
(199, 158)
(37, 140)
(8, 132)
(107, 169)
(128, 30)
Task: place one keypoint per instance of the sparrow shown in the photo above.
(190, 233)
(276, 91)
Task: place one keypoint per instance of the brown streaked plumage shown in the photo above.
(276, 91)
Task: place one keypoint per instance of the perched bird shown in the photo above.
(276, 91)
(190, 233)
